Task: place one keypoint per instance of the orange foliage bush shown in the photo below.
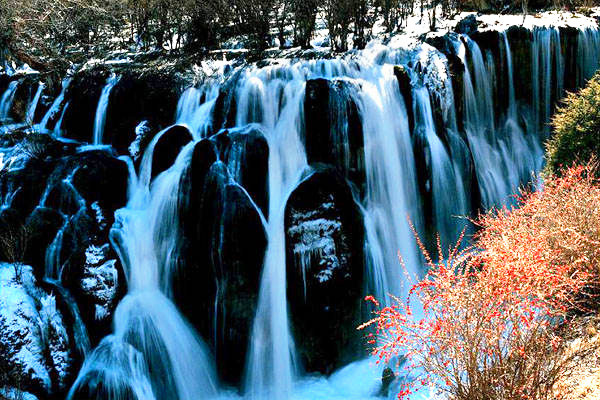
(492, 314)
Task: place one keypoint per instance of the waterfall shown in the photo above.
(53, 260)
(100, 119)
(56, 105)
(30, 115)
(547, 69)
(270, 369)
(445, 179)
(503, 155)
(195, 109)
(391, 186)
(588, 53)
(7, 100)
(153, 352)
(57, 128)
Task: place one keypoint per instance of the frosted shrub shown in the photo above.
(494, 315)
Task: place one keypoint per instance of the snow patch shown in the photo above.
(99, 216)
(142, 130)
(100, 280)
(31, 326)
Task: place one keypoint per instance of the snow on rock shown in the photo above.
(100, 219)
(142, 132)
(34, 345)
(314, 238)
(100, 280)
(9, 393)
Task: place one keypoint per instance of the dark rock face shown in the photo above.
(90, 270)
(327, 105)
(65, 200)
(23, 96)
(137, 97)
(569, 38)
(144, 132)
(168, 147)
(493, 52)
(456, 69)
(84, 92)
(520, 39)
(226, 105)
(223, 243)
(325, 263)
(404, 82)
(467, 25)
(245, 151)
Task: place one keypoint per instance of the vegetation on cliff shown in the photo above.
(45, 34)
(576, 128)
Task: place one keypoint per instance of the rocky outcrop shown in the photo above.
(136, 97)
(168, 146)
(23, 96)
(325, 263)
(245, 151)
(222, 247)
(333, 131)
(63, 198)
(84, 91)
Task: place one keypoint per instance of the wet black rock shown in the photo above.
(520, 39)
(24, 94)
(569, 41)
(325, 263)
(168, 146)
(42, 226)
(84, 91)
(139, 96)
(245, 151)
(404, 81)
(222, 247)
(387, 378)
(327, 137)
(467, 25)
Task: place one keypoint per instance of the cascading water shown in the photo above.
(30, 115)
(445, 178)
(100, 118)
(7, 100)
(153, 353)
(588, 53)
(503, 154)
(270, 368)
(547, 67)
(195, 107)
(56, 105)
(57, 128)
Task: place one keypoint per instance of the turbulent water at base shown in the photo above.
(427, 157)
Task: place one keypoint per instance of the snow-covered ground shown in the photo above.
(31, 327)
